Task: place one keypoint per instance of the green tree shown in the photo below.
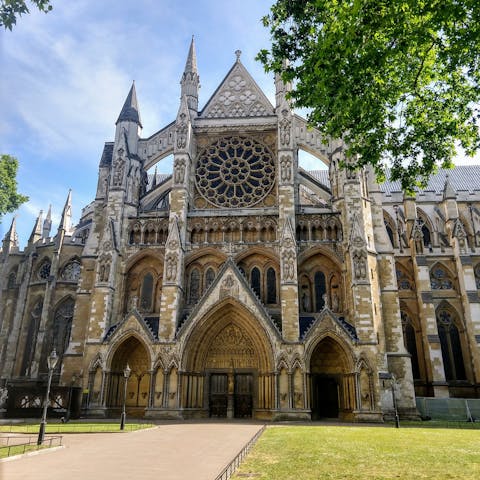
(398, 80)
(10, 9)
(10, 199)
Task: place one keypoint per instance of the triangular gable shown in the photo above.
(133, 321)
(237, 96)
(326, 320)
(229, 283)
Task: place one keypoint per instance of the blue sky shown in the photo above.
(65, 76)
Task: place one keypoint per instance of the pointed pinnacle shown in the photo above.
(130, 111)
(191, 64)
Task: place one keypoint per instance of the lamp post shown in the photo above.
(126, 374)
(51, 363)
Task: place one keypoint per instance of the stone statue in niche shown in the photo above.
(335, 302)
(289, 265)
(286, 168)
(182, 130)
(360, 265)
(104, 270)
(171, 267)
(326, 303)
(285, 125)
(179, 170)
(119, 167)
(305, 302)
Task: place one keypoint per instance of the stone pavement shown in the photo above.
(173, 451)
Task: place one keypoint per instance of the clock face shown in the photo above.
(235, 172)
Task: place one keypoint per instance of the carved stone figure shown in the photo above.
(179, 170)
(171, 268)
(289, 265)
(286, 168)
(285, 125)
(182, 130)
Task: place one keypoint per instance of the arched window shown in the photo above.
(62, 325)
(146, 293)
(390, 233)
(427, 241)
(410, 342)
(31, 342)
(271, 286)
(209, 277)
(255, 281)
(12, 279)
(439, 279)
(451, 346)
(194, 286)
(71, 271)
(44, 270)
(320, 290)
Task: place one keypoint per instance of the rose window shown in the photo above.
(235, 172)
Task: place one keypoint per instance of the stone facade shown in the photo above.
(242, 285)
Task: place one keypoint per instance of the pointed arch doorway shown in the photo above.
(131, 352)
(332, 386)
(233, 354)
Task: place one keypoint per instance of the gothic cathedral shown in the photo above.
(241, 285)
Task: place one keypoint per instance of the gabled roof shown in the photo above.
(237, 96)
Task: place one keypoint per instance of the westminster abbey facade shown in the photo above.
(241, 285)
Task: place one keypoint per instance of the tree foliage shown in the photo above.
(10, 199)
(11, 9)
(398, 80)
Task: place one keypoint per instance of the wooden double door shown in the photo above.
(231, 392)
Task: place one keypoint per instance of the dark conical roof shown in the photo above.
(130, 112)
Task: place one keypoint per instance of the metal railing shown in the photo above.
(17, 446)
(229, 470)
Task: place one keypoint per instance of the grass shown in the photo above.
(73, 427)
(18, 450)
(324, 452)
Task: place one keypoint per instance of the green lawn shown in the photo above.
(323, 452)
(73, 427)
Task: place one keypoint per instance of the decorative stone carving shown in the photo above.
(229, 287)
(286, 168)
(182, 131)
(179, 168)
(119, 168)
(285, 125)
(289, 265)
(360, 264)
(171, 267)
(104, 268)
(238, 96)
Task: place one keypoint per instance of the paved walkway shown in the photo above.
(180, 451)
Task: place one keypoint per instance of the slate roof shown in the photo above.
(462, 178)
(107, 155)
(130, 111)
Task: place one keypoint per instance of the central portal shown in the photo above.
(231, 395)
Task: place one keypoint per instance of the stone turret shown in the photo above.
(10, 241)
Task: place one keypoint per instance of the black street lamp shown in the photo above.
(51, 363)
(126, 374)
